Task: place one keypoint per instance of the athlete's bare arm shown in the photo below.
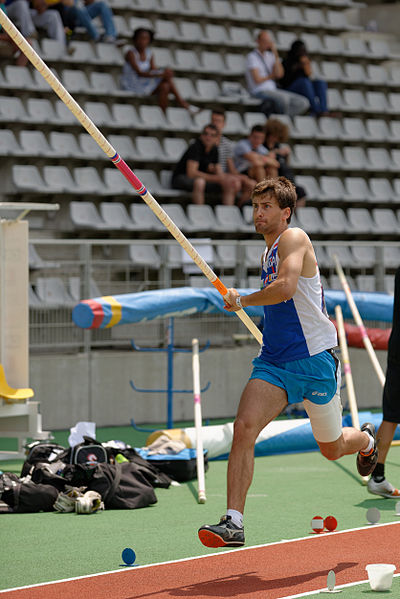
(296, 258)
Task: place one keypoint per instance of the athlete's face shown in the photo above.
(267, 214)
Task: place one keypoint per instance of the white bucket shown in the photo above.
(380, 576)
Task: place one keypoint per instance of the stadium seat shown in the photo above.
(335, 221)
(360, 220)
(364, 255)
(36, 261)
(229, 219)
(165, 30)
(240, 37)
(76, 81)
(178, 119)
(304, 127)
(144, 255)
(125, 116)
(332, 189)
(389, 284)
(304, 156)
(9, 145)
(88, 181)
(34, 143)
(331, 71)
(63, 115)
(191, 32)
(24, 179)
(82, 52)
(311, 186)
(89, 148)
(206, 251)
(64, 145)
(380, 160)
(394, 75)
(40, 110)
(376, 75)
(323, 259)
(391, 256)
(314, 17)
(124, 146)
(34, 301)
(342, 252)
(84, 215)
(186, 88)
(215, 34)
(220, 8)
(366, 283)
(381, 190)
(75, 289)
(177, 214)
(173, 255)
(357, 189)
(354, 73)
(337, 20)
(108, 54)
(354, 159)
(329, 128)
(148, 149)
(225, 256)
(252, 255)
(99, 113)
(385, 221)
(235, 64)
(105, 84)
(377, 103)
(52, 50)
(330, 158)
(51, 290)
(186, 60)
(211, 62)
(201, 217)
(333, 45)
(394, 132)
(309, 219)
(142, 216)
(356, 47)
(116, 216)
(353, 100)
(116, 184)
(122, 27)
(255, 118)
(376, 130)
(200, 7)
(174, 148)
(207, 90)
(59, 179)
(16, 77)
(163, 57)
(245, 11)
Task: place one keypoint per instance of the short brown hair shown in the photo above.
(278, 129)
(281, 189)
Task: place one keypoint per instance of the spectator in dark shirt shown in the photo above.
(199, 171)
(298, 79)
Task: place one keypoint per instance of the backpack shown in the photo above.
(41, 451)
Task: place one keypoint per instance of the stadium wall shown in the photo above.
(96, 386)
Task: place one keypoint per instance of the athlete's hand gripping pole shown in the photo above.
(107, 148)
(358, 320)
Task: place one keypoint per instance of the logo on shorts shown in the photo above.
(319, 394)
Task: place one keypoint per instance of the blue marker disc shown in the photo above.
(128, 556)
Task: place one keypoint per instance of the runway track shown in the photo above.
(275, 571)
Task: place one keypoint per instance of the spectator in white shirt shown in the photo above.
(263, 69)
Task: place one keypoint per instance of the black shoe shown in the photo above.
(223, 534)
(367, 463)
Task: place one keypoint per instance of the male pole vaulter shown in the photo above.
(295, 363)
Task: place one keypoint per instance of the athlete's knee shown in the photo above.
(331, 451)
(243, 431)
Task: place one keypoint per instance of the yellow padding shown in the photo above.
(175, 434)
(9, 394)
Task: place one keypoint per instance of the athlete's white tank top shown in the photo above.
(300, 327)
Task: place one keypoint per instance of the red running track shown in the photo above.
(275, 571)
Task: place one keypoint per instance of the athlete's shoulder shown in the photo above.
(294, 234)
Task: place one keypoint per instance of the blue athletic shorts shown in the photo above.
(313, 378)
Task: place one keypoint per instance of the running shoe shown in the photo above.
(383, 488)
(223, 534)
(367, 463)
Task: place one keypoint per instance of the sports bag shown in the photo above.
(89, 453)
(181, 466)
(41, 451)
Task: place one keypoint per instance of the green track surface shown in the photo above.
(287, 491)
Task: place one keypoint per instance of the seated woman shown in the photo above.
(297, 78)
(141, 76)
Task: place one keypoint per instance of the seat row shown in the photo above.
(349, 159)
(353, 221)
(373, 190)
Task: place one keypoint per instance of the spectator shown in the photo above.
(276, 138)
(141, 76)
(8, 47)
(199, 171)
(297, 79)
(252, 158)
(28, 19)
(263, 70)
(225, 158)
(74, 15)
